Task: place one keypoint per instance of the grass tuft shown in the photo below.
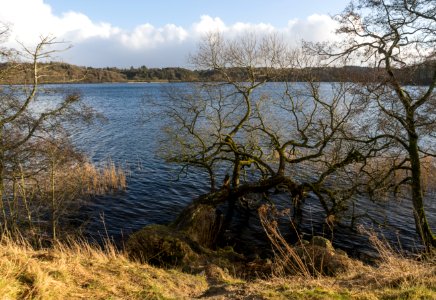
(79, 270)
(82, 271)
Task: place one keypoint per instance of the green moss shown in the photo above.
(319, 293)
(416, 292)
(162, 246)
(285, 292)
(149, 294)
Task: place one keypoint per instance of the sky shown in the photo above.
(159, 33)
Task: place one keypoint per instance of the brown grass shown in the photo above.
(428, 168)
(71, 181)
(82, 271)
(77, 178)
(57, 189)
(394, 269)
(379, 167)
(286, 259)
(394, 277)
(87, 179)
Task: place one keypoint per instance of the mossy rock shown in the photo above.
(201, 223)
(329, 263)
(322, 242)
(320, 257)
(162, 246)
(215, 274)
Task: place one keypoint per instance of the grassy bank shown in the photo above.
(81, 271)
(84, 272)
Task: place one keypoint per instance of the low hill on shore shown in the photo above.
(57, 72)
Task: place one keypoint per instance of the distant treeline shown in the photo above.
(55, 72)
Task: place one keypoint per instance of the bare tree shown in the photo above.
(32, 127)
(288, 136)
(398, 39)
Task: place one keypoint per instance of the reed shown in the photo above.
(428, 169)
(91, 180)
(286, 259)
(394, 268)
(393, 276)
(55, 191)
(383, 175)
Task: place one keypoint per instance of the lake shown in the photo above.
(154, 195)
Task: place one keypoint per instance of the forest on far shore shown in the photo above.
(59, 72)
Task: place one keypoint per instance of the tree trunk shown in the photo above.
(4, 225)
(53, 201)
(236, 172)
(421, 223)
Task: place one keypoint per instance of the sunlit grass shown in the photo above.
(93, 180)
(78, 270)
(82, 271)
(75, 269)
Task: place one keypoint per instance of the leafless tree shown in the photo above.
(32, 128)
(398, 39)
(289, 136)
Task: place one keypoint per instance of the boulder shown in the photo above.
(163, 246)
(322, 242)
(201, 222)
(215, 274)
(320, 257)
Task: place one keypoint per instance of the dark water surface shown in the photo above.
(154, 196)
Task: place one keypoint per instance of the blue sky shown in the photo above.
(159, 33)
(129, 13)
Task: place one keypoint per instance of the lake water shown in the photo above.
(154, 195)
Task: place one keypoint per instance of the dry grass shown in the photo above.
(87, 179)
(74, 179)
(395, 269)
(394, 277)
(428, 168)
(382, 176)
(58, 189)
(81, 271)
(286, 259)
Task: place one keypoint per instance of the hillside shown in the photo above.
(56, 72)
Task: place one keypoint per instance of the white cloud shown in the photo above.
(147, 36)
(248, 27)
(80, 27)
(102, 44)
(31, 19)
(315, 28)
(208, 24)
